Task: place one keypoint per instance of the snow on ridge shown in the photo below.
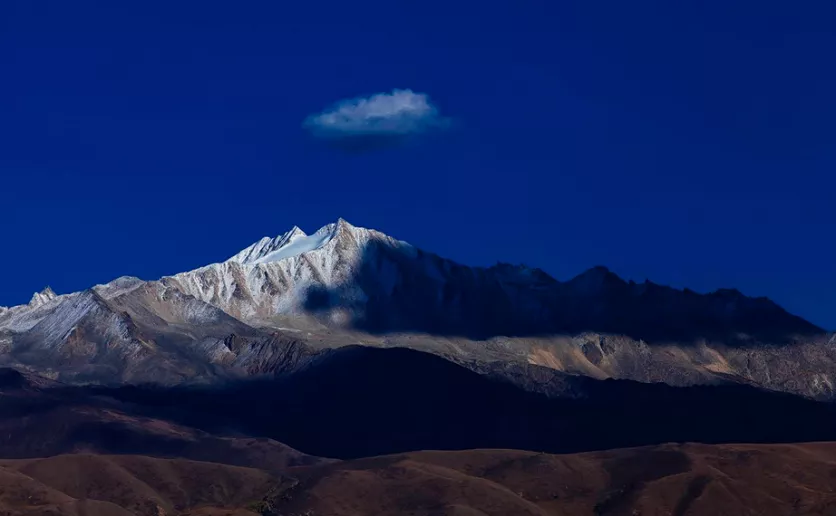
(267, 245)
(274, 275)
(296, 242)
(299, 245)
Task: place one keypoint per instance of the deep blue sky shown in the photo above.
(689, 142)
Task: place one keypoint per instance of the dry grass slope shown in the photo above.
(92, 485)
(667, 480)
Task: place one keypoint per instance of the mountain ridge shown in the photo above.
(349, 285)
(251, 256)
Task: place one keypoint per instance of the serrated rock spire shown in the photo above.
(43, 297)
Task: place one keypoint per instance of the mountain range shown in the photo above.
(274, 305)
(306, 374)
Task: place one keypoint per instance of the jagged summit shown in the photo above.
(278, 276)
(292, 243)
(267, 245)
(43, 297)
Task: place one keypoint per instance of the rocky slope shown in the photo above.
(349, 285)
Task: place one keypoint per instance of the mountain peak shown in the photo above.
(594, 280)
(267, 245)
(43, 297)
(731, 293)
(294, 232)
(117, 287)
(293, 243)
(341, 222)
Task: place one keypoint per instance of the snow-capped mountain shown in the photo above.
(271, 306)
(275, 276)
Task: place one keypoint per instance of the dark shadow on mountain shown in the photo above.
(11, 379)
(356, 402)
(407, 290)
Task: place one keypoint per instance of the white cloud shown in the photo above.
(398, 114)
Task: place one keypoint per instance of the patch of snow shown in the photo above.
(299, 246)
(267, 245)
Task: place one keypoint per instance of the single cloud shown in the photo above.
(381, 120)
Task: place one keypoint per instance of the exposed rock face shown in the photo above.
(344, 285)
(43, 297)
